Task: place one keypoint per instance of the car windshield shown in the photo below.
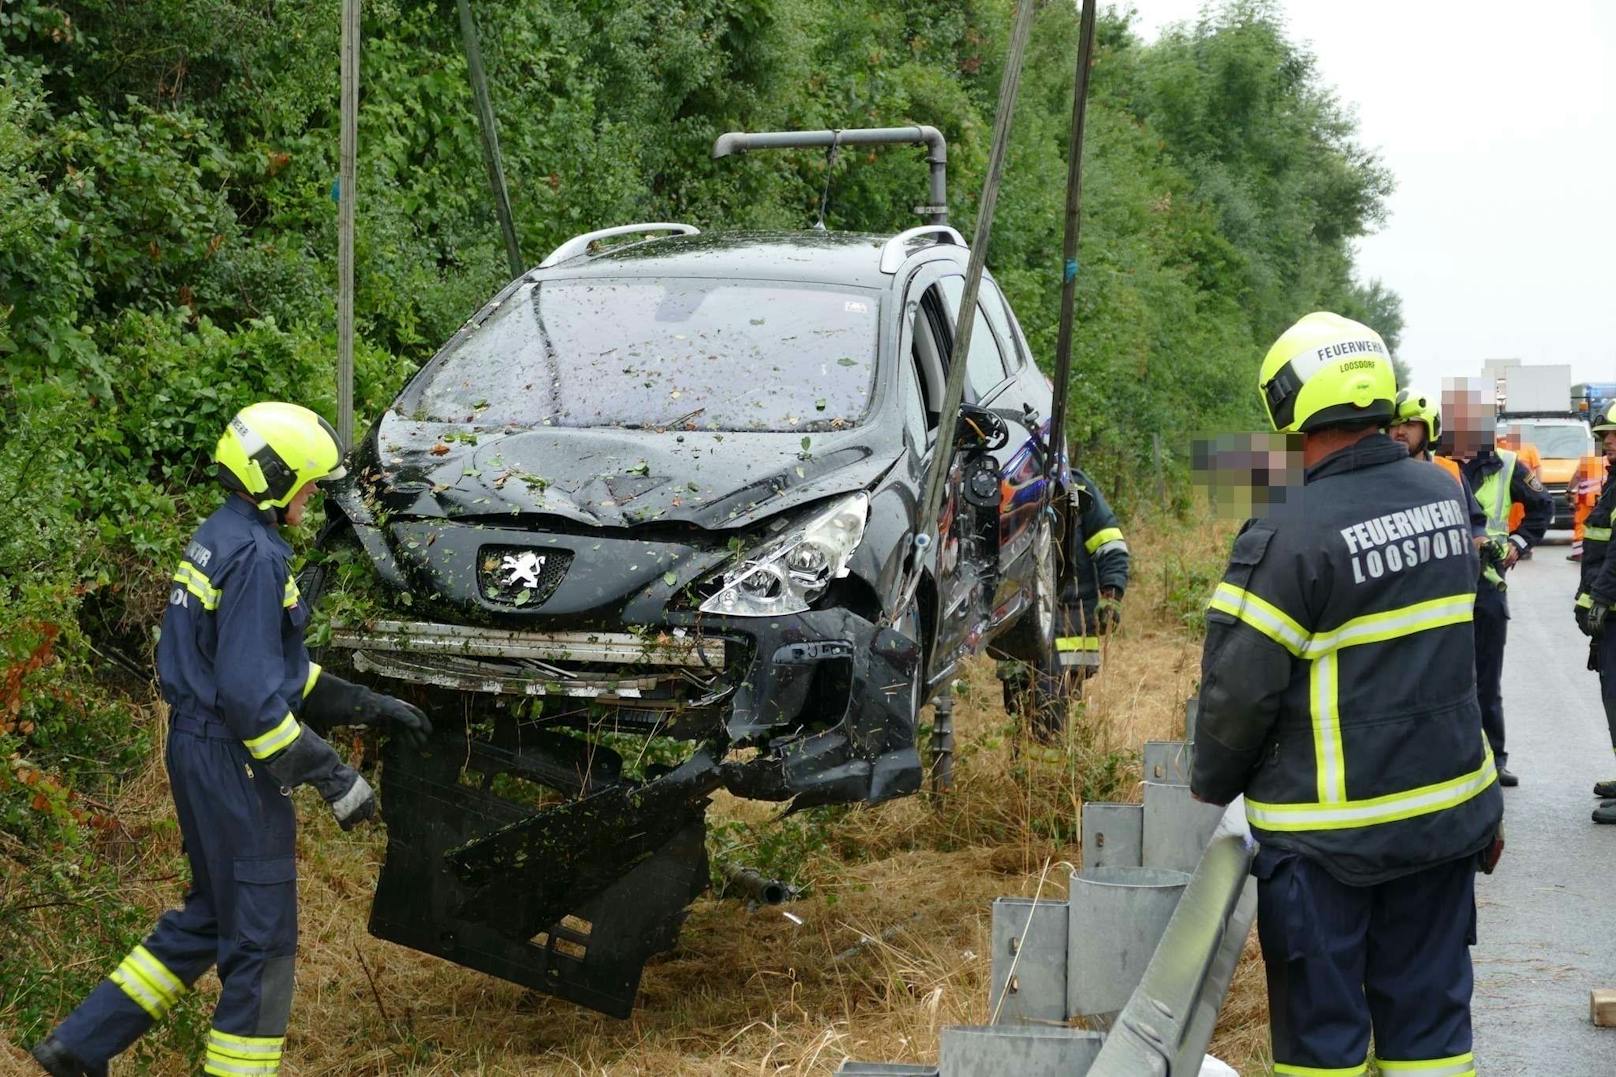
(1555, 441)
(684, 354)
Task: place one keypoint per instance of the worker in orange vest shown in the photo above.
(1586, 482)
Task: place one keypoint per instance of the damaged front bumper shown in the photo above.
(574, 897)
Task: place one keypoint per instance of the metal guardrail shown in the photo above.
(1166, 1026)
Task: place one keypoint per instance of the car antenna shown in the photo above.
(830, 166)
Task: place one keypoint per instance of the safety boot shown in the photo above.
(1605, 790)
(60, 1062)
(1606, 812)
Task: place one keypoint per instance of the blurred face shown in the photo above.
(1410, 434)
(1469, 415)
(299, 502)
(1610, 444)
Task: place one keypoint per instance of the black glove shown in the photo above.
(309, 760)
(1580, 612)
(335, 701)
(1596, 617)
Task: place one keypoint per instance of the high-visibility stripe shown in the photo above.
(230, 1055)
(1077, 643)
(1383, 809)
(1260, 614)
(1454, 1066)
(139, 991)
(1494, 495)
(291, 594)
(1329, 757)
(147, 981)
(155, 972)
(1585, 600)
(1314, 1071)
(1105, 535)
(1393, 624)
(1598, 534)
(197, 583)
(267, 744)
(314, 675)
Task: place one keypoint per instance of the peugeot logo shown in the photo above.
(521, 569)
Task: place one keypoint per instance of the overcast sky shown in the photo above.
(1499, 122)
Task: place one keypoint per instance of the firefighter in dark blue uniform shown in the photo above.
(237, 678)
(1338, 695)
(1595, 597)
(1094, 589)
(1498, 478)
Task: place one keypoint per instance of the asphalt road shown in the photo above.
(1547, 918)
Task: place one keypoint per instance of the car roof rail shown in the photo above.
(895, 251)
(578, 244)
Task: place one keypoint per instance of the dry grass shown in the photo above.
(905, 887)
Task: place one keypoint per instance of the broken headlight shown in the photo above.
(790, 572)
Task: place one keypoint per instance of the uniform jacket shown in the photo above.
(1338, 687)
(1598, 567)
(1523, 488)
(231, 647)
(1101, 562)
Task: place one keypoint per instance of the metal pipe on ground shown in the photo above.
(752, 885)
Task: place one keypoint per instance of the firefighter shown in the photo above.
(237, 678)
(1098, 579)
(1338, 695)
(1595, 596)
(1498, 478)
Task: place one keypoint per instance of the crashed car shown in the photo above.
(646, 527)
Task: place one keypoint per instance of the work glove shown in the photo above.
(1107, 612)
(309, 760)
(1581, 614)
(1487, 859)
(1596, 617)
(335, 702)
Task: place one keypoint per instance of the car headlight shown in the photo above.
(789, 573)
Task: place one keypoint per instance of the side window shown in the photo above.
(998, 312)
(985, 367)
(914, 404)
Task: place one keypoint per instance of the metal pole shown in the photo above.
(936, 478)
(1074, 222)
(942, 741)
(345, 219)
(485, 124)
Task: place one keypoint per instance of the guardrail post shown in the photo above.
(1177, 826)
(1030, 1051)
(1113, 835)
(1028, 980)
(1117, 918)
(1167, 761)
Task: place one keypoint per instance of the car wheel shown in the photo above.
(1037, 688)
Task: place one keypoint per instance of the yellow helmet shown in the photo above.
(270, 450)
(1326, 370)
(1606, 421)
(1414, 405)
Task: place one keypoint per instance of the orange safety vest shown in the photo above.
(1528, 455)
(1450, 466)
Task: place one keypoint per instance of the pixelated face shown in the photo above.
(1469, 415)
(1244, 475)
(1410, 434)
(1610, 444)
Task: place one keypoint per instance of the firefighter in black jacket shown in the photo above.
(1594, 599)
(1338, 694)
(1099, 577)
(1498, 478)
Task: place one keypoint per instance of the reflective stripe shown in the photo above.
(314, 675)
(1393, 624)
(155, 972)
(1383, 809)
(267, 744)
(1079, 659)
(1585, 600)
(1313, 1071)
(1118, 545)
(1598, 534)
(1328, 755)
(250, 1055)
(139, 991)
(1106, 534)
(1455, 1066)
(1077, 643)
(147, 981)
(197, 583)
(290, 596)
(1260, 614)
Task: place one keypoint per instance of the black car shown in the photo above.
(645, 528)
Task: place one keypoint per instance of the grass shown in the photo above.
(893, 943)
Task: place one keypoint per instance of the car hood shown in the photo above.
(612, 477)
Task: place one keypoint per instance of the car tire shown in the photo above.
(1037, 688)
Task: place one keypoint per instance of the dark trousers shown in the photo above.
(1607, 678)
(240, 913)
(1492, 627)
(1342, 960)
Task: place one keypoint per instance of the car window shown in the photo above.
(998, 313)
(985, 367)
(643, 352)
(914, 403)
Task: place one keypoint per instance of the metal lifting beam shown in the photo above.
(936, 156)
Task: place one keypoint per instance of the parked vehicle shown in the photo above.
(645, 528)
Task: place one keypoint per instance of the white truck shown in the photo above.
(1535, 409)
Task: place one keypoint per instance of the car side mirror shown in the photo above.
(979, 430)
